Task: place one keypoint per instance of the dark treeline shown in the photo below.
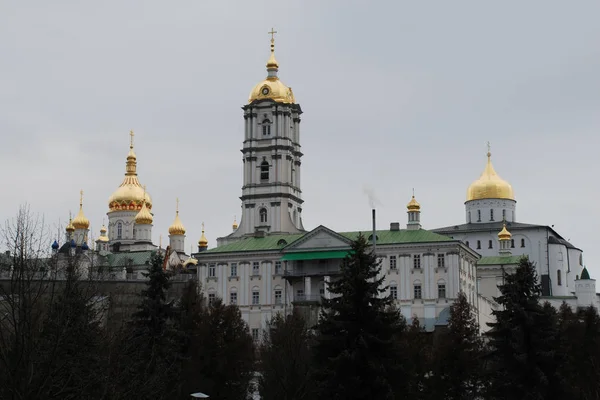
(53, 344)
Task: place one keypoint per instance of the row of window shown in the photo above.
(233, 269)
(418, 291)
(441, 261)
(233, 297)
(491, 215)
(491, 244)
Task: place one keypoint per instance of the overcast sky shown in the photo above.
(395, 94)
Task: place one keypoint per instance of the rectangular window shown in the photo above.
(441, 258)
(490, 245)
(255, 297)
(418, 292)
(300, 292)
(478, 215)
(234, 269)
(492, 214)
(503, 214)
(211, 298)
(278, 297)
(512, 243)
(233, 298)
(255, 268)
(479, 244)
(255, 334)
(441, 291)
(393, 262)
(417, 261)
(277, 267)
(212, 270)
(394, 292)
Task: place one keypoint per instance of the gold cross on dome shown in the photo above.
(272, 33)
(177, 206)
(80, 197)
(489, 147)
(132, 135)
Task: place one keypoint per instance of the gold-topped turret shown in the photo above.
(144, 217)
(203, 242)
(130, 195)
(70, 228)
(177, 227)
(413, 204)
(103, 237)
(504, 234)
(234, 226)
(272, 88)
(490, 185)
(80, 221)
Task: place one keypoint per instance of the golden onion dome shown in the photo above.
(177, 227)
(130, 195)
(490, 185)
(70, 228)
(203, 242)
(234, 226)
(103, 237)
(413, 205)
(80, 221)
(272, 88)
(504, 234)
(144, 217)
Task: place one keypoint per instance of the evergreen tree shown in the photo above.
(222, 350)
(457, 355)
(285, 359)
(523, 341)
(416, 346)
(148, 357)
(356, 351)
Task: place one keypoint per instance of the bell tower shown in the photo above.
(271, 157)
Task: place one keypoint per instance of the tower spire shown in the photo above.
(272, 64)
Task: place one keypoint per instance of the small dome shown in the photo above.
(55, 245)
(203, 242)
(80, 221)
(585, 274)
(504, 234)
(102, 237)
(73, 244)
(84, 246)
(144, 217)
(234, 226)
(177, 227)
(490, 185)
(413, 205)
(70, 228)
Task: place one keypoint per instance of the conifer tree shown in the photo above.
(356, 351)
(285, 359)
(523, 341)
(457, 355)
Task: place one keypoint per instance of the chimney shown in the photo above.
(374, 232)
(395, 226)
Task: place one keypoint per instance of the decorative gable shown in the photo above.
(320, 238)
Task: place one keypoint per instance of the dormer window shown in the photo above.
(266, 127)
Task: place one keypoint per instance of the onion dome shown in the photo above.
(177, 227)
(130, 195)
(490, 185)
(272, 88)
(413, 205)
(234, 226)
(80, 221)
(103, 237)
(585, 274)
(144, 217)
(504, 234)
(203, 242)
(84, 246)
(55, 245)
(73, 244)
(70, 228)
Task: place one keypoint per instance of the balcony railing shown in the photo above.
(299, 272)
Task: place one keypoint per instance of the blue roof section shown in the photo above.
(443, 318)
(55, 245)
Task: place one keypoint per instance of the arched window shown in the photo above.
(490, 244)
(467, 243)
(478, 215)
(264, 171)
(479, 244)
(134, 232)
(512, 243)
(558, 277)
(266, 127)
(119, 230)
(263, 215)
(491, 214)
(504, 214)
(522, 242)
(469, 217)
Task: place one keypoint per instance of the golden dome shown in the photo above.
(413, 205)
(144, 217)
(203, 242)
(80, 221)
(103, 237)
(177, 227)
(70, 228)
(490, 185)
(504, 234)
(130, 195)
(235, 224)
(272, 88)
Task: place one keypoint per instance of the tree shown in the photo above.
(356, 351)
(457, 355)
(147, 355)
(222, 352)
(523, 341)
(285, 359)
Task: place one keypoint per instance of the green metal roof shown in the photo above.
(314, 255)
(277, 242)
(499, 260)
(585, 274)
